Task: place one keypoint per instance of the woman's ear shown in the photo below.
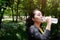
(33, 19)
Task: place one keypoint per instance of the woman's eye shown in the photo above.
(38, 15)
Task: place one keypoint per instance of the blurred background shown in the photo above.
(13, 14)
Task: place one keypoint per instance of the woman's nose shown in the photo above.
(41, 16)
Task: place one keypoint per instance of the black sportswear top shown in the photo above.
(35, 34)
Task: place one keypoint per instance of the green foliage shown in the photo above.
(13, 31)
(16, 31)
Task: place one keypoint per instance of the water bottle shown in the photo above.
(53, 20)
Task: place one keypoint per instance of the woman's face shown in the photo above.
(37, 16)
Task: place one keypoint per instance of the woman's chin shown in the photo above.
(41, 21)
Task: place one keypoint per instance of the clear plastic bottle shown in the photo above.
(53, 20)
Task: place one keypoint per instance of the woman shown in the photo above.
(34, 29)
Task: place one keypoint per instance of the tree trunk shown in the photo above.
(12, 10)
(1, 16)
(17, 12)
(31, 6)
(43, 4)
(12, 14)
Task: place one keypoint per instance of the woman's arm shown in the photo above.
(48, 20)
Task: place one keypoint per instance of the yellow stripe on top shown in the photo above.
(41, 30)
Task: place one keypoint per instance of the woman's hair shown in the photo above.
(29, 20)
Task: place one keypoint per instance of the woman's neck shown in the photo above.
(37, 24)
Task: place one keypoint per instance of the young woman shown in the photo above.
(34, 29)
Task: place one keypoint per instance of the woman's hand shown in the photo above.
(48, 20)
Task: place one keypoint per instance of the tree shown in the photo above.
(10, 4)
(3, 5)
(17, 14)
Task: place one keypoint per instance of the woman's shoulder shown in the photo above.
(32, 26)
